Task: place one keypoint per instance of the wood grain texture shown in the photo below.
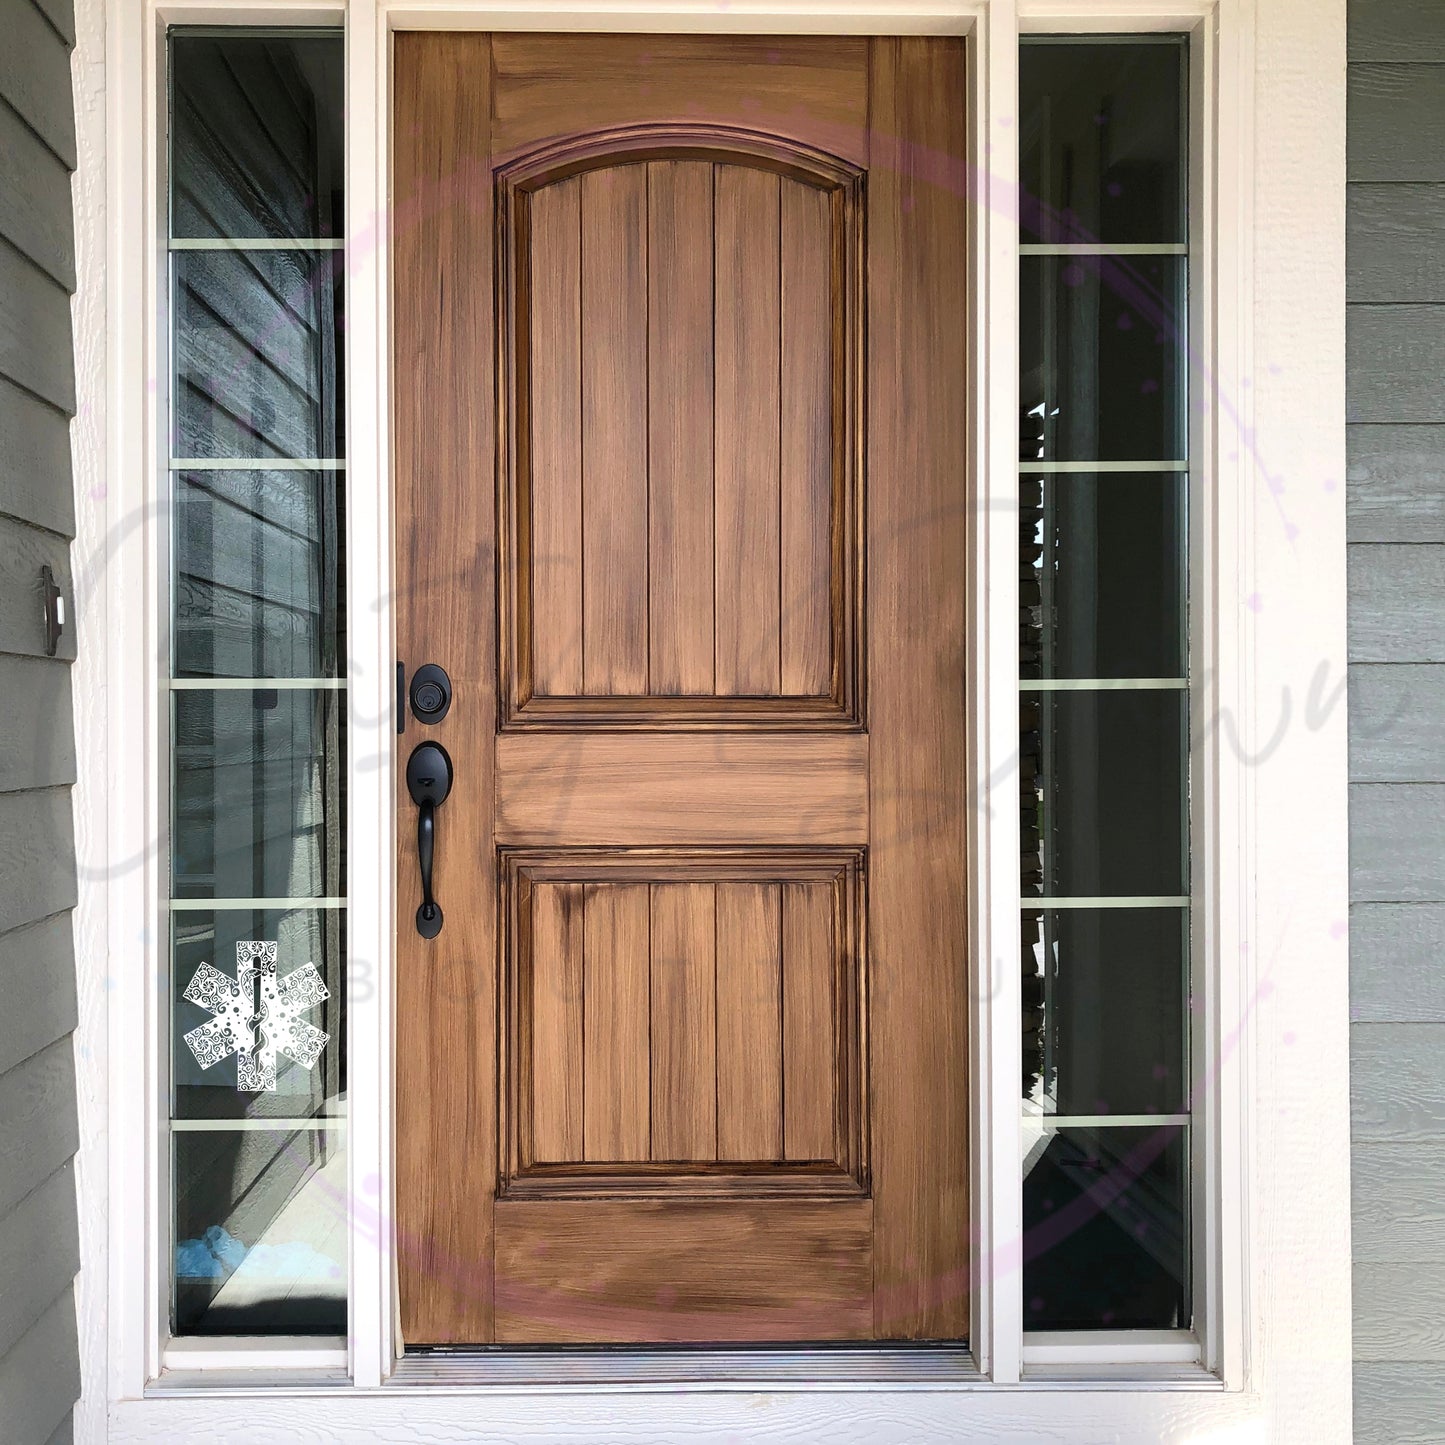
(1397, 1088)
(617, 1027)
(811, 380)
(1398, 1210)
(37, 856)
(810, 1043)
(1397, 123)
(1393, 351)
(1409, 30)
(36, 440)
(747, 423)
(35, 202)
(35, 336)
(37, 743)
(614, 430)
(40, 1376)
(1396, 483)
(1397, 723)
(555, 431)
(1386, 620)
(685, 788)
(684, 1021)
(444, 443)
(749, 1021)
(917, 455)
(35, 79)
(37, 1121)
(1391, 249)
(556, 945)
(1397, 843)
(813, 87)
(37, 982)
(760, 1271)
(1396, 1312)
(39, 1254)
(1395, 973)
(1399, 1404)
(680, 427)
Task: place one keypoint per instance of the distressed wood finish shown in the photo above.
(705, 788)
(680, 356)
(747, 1270)
(707, 1021)
(917, 456)
(1396, 489)
(446, 1132)
(679, 845)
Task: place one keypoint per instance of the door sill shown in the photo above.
(658, 1366)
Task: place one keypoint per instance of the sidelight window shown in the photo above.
(257, 685)
(1104, 684)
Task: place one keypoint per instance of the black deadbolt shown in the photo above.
(431, 693)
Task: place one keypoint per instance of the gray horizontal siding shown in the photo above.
(1396, 490)
(1395, 971)
(40, 1377)
(1396, 123)
(38, 1133)
(1396, 508)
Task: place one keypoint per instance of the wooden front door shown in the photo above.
(681, 488)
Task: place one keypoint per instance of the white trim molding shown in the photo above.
(1269, 1122)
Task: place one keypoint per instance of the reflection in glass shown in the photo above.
(302, 936)
(256, 134)
(260, 1242)
(1101, 343)
(256, 795)
(259, 584)
(1105, 1016)
(1106, 1228)
(1107, 811)
(1101, 154)
(256, 341)
(1106, 594)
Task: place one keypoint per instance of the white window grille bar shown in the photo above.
(257, 464)
(252, 1125)
(1098, 466)
(251, 905)
(1103, 684)
(256, 684)
(1108, 1121)
(1120, 901)
(1102, 248)
(256, 243)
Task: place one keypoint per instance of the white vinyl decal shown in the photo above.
(256, 1015)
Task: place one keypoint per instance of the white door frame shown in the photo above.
(1274, 575)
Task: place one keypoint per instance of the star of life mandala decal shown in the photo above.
(256, 1015)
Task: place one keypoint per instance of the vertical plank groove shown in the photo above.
(746, 423)
(684, 1064)
(556, 945)
(617, 1114)
(807, 349)
(680, 427)
(810, 951)
(554, 369)
(749, 1022)
(614, 430)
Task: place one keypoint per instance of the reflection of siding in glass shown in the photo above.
(1103, 722)
(258, 715)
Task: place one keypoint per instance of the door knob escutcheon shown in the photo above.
(429, 781)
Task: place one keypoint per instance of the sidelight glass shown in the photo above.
(1104, 682)
(258, 706)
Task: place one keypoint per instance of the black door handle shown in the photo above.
(428, 780)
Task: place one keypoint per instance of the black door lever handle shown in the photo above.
(429, 781)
